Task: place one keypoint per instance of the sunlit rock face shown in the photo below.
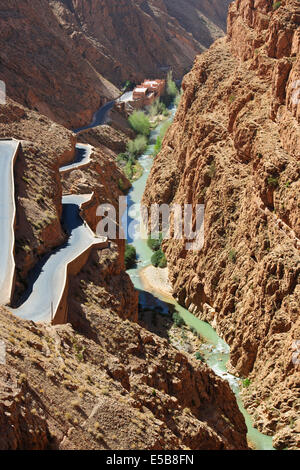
(42, 69)
(133, 39)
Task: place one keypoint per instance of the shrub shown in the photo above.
(133, 170)
(130, 256)
(212, 169)
(128, 171)
(276, 5)
(152, 110)
(159, 140)
(171, 91)
(121, 185)
(154, 243)
(232, 255)
(122, 157)
(137, 147)
(128, 85)
(199, 357)
(159, 259)
(157, 108)
(246, 383)
(157, 147)
(140, 123)
(273, 181)
(178, 98)
(178, 320)
(164, 129)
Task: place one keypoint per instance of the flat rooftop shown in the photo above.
(148, 82)
(140, 90)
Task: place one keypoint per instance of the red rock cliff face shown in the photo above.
(61, 389)
(205, 19)
(41, 67)
(130, 39)
(57, 57)
(235, 147)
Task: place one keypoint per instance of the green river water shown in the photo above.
(215, 350)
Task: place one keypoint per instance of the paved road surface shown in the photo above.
(99, 117)
(82, 158)
(47, 279)
(8, 150)
(128, 96)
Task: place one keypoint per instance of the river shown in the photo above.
(215, 350)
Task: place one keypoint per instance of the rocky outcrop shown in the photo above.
(204, 19)
(105, 179)
(106, 136)
(234, 146)
(20, 424)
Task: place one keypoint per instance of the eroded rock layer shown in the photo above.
(104, 382)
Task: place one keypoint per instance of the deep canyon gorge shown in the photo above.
(109, 369)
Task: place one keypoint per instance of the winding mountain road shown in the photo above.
(8, 152)
(99, 117)
(48, 280)
(82, 158)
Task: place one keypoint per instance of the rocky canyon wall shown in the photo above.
(119, 387)
(61, 57)
(235, 147)
(205, 19)
(41, 67)
(131, 39)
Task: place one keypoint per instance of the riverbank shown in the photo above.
(184, 338)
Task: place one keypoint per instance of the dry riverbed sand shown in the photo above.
(157, 280)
